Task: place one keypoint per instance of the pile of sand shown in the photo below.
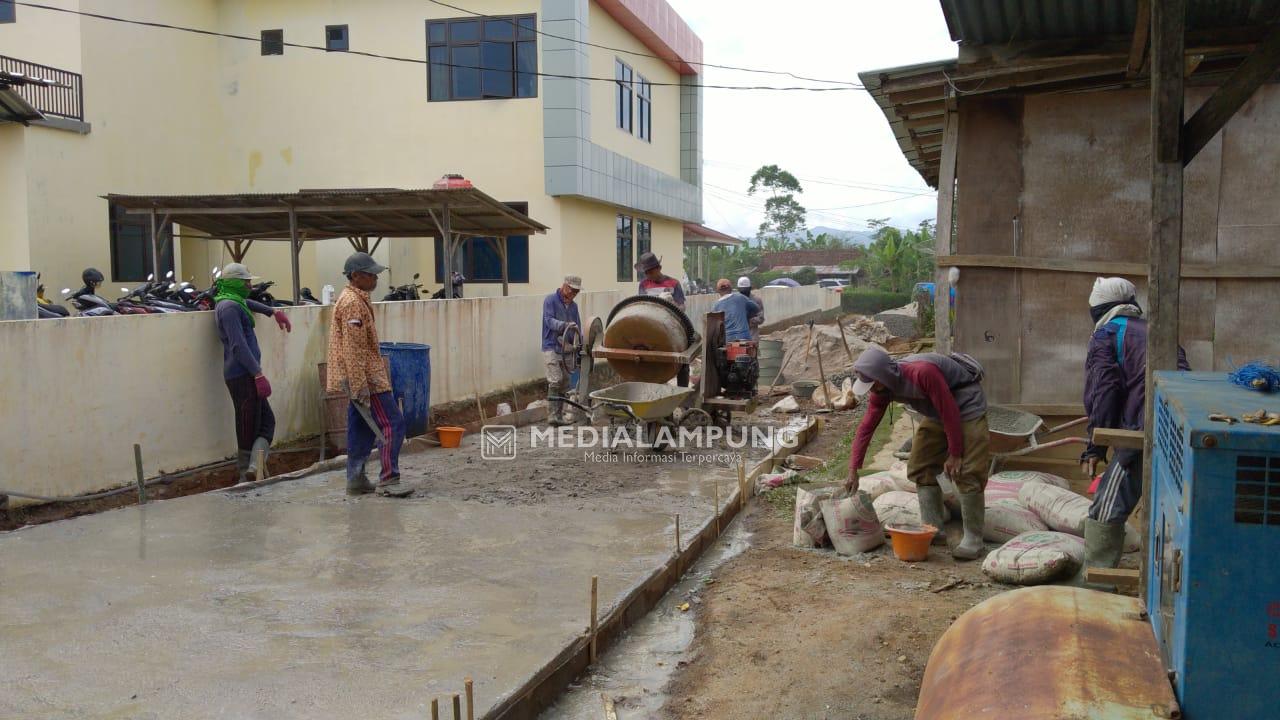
(859, 333)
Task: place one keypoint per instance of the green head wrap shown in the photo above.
(235, 290)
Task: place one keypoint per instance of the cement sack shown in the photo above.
(852, 524)
(902, 508)
(898, 471)
(876, 484)
(1035, 558)
(1005, 485)
(1006, 519)
(842, 398)
(1059, 508)
(809, 530)
(787, 404)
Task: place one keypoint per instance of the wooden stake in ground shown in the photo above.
(435, 709)
(808, 342)
(822, 375)
(678, 550)
(742, 485)
(457, 708)
(142, 484)
(717, 491)
(471, 713)
(840, 324)
(594, 597)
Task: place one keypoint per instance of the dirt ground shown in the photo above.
(791, 633)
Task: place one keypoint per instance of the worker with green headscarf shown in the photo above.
(242, 367)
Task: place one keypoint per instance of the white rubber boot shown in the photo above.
(973, 512)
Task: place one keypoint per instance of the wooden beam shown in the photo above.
(1206, 271)
(1120, 577)
(1141, 38)
(1231, 95)
(942, 233)
(1168, 39)
(1117, 438)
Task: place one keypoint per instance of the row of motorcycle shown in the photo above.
(156, 295)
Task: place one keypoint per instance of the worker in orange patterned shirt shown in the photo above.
(356, 367)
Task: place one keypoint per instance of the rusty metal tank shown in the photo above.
(647, 323)
(1048, 653)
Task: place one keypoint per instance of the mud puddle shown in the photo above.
(633, 673)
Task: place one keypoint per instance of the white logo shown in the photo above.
(498, 442)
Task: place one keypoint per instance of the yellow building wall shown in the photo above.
(177, 113)
(664, 152)
(591, 244)
(15, 251)
(44, 36)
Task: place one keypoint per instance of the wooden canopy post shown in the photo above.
(1168, 27)
(155, 245)
(294, 248)
(502, 258)
(943, 239)
(446, 273)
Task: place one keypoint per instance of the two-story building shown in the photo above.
(585, 114)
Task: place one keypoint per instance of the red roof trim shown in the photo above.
(661, 29)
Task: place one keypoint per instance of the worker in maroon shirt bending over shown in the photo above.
(655, 282)
(952, 437)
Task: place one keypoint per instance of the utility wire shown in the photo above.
(415, 61)
(649, 55)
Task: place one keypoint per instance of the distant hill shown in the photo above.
(857, 237)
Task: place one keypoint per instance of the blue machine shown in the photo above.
(1213, 575)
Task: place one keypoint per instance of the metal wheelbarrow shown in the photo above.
(649, 406)
(1015, 433)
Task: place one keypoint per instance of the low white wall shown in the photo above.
(79, 392)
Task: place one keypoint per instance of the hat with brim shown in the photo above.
(862, 386)
(362, 262)
(573, 281)
(236, 271)
(647, 262)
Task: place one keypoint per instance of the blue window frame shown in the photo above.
(8, 11)
(337, 38)
(482, 58)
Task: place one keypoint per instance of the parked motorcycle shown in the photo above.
(47, 309)
(405, 292)
(458, 281)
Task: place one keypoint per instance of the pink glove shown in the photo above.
(283, 321)
(264, 387)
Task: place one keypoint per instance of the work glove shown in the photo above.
(263, 385)
(283, 321)
(1089, 466)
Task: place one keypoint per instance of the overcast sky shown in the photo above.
(840, 137)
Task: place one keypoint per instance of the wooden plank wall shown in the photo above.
(1073, 170)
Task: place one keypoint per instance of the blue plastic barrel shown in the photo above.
(411, 382)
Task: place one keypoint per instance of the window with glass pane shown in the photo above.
(475, 58)
(644, 109)
(644, 237)
(626, 258)
(130, 237)
(481, 261)
(623, 75)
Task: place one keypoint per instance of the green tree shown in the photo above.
(897, 259)
(823, 241)
(784, 216)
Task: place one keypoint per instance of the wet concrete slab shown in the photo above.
(294, 602)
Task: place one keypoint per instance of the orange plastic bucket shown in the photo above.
(450, 437)
(911, 542)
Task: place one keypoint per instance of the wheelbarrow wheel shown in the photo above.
(651, 434)
(695, 417)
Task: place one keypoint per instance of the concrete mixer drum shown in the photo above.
(652, 324)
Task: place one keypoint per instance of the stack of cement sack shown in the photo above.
(1038, 520)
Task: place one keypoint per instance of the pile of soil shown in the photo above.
(859, 333)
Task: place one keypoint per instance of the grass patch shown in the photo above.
(836, 468)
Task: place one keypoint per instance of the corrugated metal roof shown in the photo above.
(998, 22)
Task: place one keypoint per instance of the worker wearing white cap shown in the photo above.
(744, 287)
(560, 320)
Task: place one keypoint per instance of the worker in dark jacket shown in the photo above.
(1115, 393)
(242, 367)
(952, 437)
(559, 315)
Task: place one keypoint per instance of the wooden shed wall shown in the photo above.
(1067, 178)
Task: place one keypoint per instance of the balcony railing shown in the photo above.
(64, 99)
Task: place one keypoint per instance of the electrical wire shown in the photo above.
(649, 55)
(415, 61)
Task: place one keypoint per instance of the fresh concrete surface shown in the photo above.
(294, 602)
